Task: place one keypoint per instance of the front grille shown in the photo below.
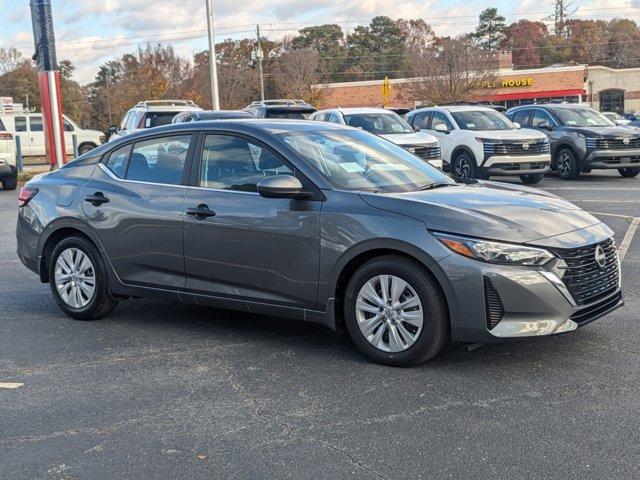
(426, 152)
(596, 311)
(584, 278)
(494, 307)
(515, 148)
(613, 143)
(514, 167)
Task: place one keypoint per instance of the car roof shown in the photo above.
(463, 108)
(222, 114)
(555, 106)
(361, 110)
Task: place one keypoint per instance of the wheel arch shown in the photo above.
(464, 149)
(355, 258)
(87, 143)
(558, 148)
(55, 232)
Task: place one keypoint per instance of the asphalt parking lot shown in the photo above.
(162, 390)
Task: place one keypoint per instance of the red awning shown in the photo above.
(526, 95)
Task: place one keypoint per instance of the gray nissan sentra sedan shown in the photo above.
(318, 222)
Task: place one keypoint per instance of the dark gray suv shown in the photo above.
(582, 139)
(319, 222)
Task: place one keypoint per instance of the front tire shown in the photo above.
(78, 279)
(395, 312)
(86, 147)
(531, 179)
(464, 166)
(567, 164)
(629, 172)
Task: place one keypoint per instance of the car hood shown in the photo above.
(407, 139)
(488, 210)
(518, 134)
(602, 131)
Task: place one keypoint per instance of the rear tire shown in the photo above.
(87, 147)
(10, 183)
(78, 279)
(567, 164)
(407, 325)
(629, 172)
(531, 179)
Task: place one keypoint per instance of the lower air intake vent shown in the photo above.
(495, 310)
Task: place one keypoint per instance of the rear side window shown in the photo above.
(117, 162)
(160, 160)
(421, 120)
(521, 116)
(2, 127)
(21, 124)
(157, 119)
(36, 124)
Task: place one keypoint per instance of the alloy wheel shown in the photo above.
(564, 164)
(389, 313)
(462, 168)
(75, 278)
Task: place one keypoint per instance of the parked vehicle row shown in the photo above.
(319, 222)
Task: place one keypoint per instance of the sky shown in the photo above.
(91, 32)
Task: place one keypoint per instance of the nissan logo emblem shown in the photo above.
(626, 141)
(525, 146)
(411, 150)
(601, 257)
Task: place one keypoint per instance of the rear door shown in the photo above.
(21, 128)
(134, 202)
(248, 247)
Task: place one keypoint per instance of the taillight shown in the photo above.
(26, 194)
(6, 136)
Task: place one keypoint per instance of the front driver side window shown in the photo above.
(235, 163)
(440, 118)
(540, 117)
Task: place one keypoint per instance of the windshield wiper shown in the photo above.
(431, 186)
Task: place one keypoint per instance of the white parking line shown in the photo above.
(11, 385)
(617, 215)
(594, 189)
(628, 238)
(603, 201)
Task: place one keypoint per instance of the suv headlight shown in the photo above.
(495, 252)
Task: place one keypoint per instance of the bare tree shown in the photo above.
(454, 70)
(10, 59)
(295, 71)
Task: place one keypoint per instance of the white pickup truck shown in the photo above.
(8, 170)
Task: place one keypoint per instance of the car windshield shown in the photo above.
(378, 123)
(157, 119)
(582, 117)
(482, 120)
(359, 161)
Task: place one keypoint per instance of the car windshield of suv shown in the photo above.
(482, 120)
(157, 119)
(355, 160)
(583, 117)
(378, 123)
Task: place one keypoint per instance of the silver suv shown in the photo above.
(150, 113)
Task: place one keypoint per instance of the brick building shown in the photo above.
(603, 87)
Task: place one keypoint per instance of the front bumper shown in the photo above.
(436, 163)
(517, 164)
(612, 159)
(534, 302)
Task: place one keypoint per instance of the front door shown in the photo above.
(134, 202)
(243, 245)
(36, 136)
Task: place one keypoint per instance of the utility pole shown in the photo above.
(259, 57)
(108, 97)
(215, 99)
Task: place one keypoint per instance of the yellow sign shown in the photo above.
(508, 83)
(386, 91)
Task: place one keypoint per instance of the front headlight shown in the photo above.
(495, 252)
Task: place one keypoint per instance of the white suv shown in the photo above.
(29, 127)
(149, 114)
(389, 125)
(8, 170)
(478, 142)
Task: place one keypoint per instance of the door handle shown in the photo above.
(201, 212)
(96, 199)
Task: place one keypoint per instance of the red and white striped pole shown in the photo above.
(48, 81)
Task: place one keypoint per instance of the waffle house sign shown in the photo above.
(507, 83)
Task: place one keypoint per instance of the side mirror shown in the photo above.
(416, 129)
(517, 125)
(281, 186)
(544, 125)
(112, 129)
(441, 127)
